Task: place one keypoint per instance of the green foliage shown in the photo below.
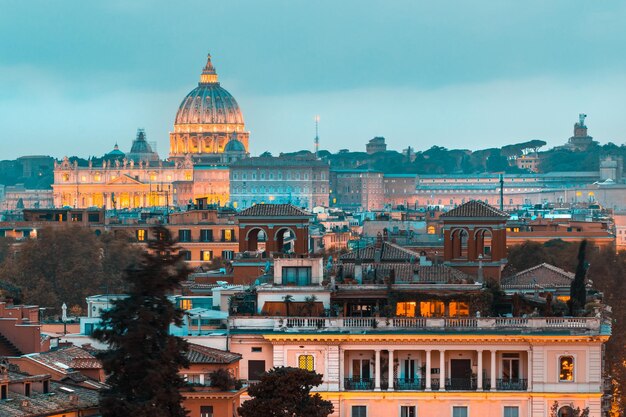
(143, 359)
(577, 412)
(578, 290)
(223, 380)
(286, 392)
(65, 265)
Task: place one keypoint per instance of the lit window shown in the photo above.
(431, 230)
(406, 309)
(66, 177)
(206, 255)
(153, 177)
(185, 304)
(459, 309)
(566, 368)
(188, 176)
(228, 235)
(306, 362)
(141, 235)
(432, 308)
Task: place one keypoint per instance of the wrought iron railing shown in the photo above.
(511, 384)
(359, 384)
(409, 384)
(461, 384)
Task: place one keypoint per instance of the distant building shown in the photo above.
(400, 189)
(357, 189)
(376, 144)
(17, 197)
(34, 166)
(529, 162)
(302, 182)
(581, 140)
(611, 168)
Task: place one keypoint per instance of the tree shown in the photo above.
(286, 392)
(578, 290)
(143, 359)
(287, 299)
(223, 380)
(68, 264)
(309, 304)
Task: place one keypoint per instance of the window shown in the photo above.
(185, 304)
(46, 387)
(256, 369)
(566, 411)
(184, 235)
(257, 349)
(459, 411)
(408, 411)
(193, 379)
(566, 369)
(206, 255)
(511, 411)
(306, 362)
(186, 255)
(459, 309)
(510, 367)
(406, 309)
(297, 275)
(27, 389)
(206, 235)
(227, 235)
(431, 230)
(359, 411)
(4, 394)
(206, 411)
(228, 254)
(432, 308)
(141, 235)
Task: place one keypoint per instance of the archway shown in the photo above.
(282, 234)
(253, 237)
(459, 243)
(483, 243)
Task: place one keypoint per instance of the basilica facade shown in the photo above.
(209, 135)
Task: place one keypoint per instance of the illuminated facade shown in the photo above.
(205, 121)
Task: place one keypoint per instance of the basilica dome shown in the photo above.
(209, 103)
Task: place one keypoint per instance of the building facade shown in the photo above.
(357, 189)
(303, 182)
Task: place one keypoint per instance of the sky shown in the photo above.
(78, 76)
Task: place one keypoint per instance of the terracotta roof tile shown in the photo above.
(475, 208)
(202, 354)
(262, 210)
(543, 275)
(390, 252)
(407, 273)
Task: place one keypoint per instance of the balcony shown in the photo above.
(461, 384)
(410, 384)
(578, 325)
(512, 384)
(359, 384)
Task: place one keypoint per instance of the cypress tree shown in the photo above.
(143, 359)
(578, 291)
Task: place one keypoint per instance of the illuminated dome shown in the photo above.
(208, 103)
(205, 119)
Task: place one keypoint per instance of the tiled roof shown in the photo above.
(390, 252)
(202, 354)
(64, 401)
(72, 357)
(475, 208)
(262, 210)
(407, 273)
(543, 275)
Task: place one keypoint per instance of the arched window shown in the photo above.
(566, 368)
(306, 362)
(566, 411)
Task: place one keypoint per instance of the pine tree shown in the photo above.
(578, 291)
(286, 392)
(143, 359)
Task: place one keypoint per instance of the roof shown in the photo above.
(476, 208)
(408, 273)
(65, 399)
(199, 354)
(66, 360)
(390, 252)
(261, 210)
(542, 275)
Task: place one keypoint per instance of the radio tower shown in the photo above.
(317, 136)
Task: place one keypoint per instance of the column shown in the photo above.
(442, 370)
(493, 370)
(377, 371)
(529, 375)
(479, 371)
(428, 365)
(390, 372)
(341, 368)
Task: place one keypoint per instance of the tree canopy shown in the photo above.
(143, 359)
(65, 265)
(286, 392)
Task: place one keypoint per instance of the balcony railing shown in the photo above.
(461, 384)
(410, 384)
(359, 384)
(511, 384)
(578, 324)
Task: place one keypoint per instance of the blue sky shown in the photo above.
(78, 76)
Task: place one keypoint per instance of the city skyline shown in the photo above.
(479, 73)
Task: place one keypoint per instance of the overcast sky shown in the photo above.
(78, 76)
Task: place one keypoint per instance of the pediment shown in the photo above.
(124, 179)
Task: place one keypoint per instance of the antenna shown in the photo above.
(317, 136)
